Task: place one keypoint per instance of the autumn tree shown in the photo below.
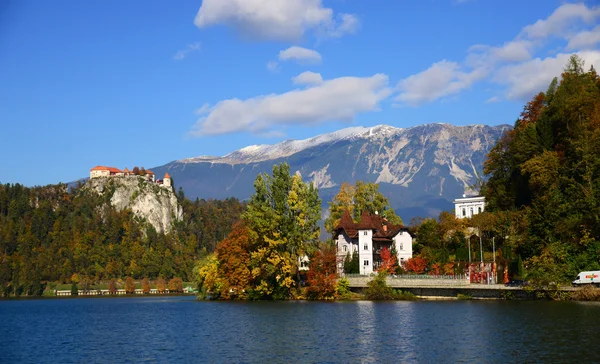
(129, 285)
(112, 286)
(234, 263)
(281, 217)
(389, 262)
(175, 285)
(145, 285)
(542, 177)
(416, 265)
(161, 285)
(322, 274)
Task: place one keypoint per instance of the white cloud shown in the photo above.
(300, 54)
(493, 99)
(285, 20)
(585, 40)
(308, 78)
(560, 21)
(184, 52)
(440, 80)
(339, 99)
(511, 63)
(527, 79)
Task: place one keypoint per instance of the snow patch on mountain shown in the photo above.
(263, 152)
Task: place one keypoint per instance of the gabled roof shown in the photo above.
(104, 168)
(347, 225)
(369, 222)
(149, 172)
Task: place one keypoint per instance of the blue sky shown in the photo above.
(125, 83)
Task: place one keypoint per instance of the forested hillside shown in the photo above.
(545, 176)
(51, 234)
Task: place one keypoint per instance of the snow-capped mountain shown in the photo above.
(420, 169)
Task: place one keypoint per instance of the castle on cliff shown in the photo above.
(103, 171)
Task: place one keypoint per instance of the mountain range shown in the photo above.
(421, 169)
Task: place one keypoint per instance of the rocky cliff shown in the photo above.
(149, 201)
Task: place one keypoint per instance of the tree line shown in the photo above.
(61, 235)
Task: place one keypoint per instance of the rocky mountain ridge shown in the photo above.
(421, 169)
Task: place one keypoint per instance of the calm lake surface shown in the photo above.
(181, 329)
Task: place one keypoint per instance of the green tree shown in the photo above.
(281, 217)
(365, 196)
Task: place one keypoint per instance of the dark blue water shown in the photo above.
(180, 329)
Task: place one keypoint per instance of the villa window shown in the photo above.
(471, 211)
(345, 248)
(464, 212)
(365, 232)
(401, 246)
(366, 263)
(366, 247)
(479, 209)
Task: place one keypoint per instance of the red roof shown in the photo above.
(149, 172)
(103, 168)
(167, 175)
(369, 222)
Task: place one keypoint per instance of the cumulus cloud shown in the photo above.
(585, 40)
(510, 64)
(285, 20)
(440, 80)
(528, 78)
(492, 100)
(308, 78)
(339, 99)
(561, 21)
(184, 52)
(300, 54)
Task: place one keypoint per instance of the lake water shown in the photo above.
(181, 329)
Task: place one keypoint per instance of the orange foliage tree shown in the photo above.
(416, 265)
(129, 285)
(146, 285)
(112, 286)
(389, 262)
(161, 285)
(176, 285)
(234, 260)
(322, 274)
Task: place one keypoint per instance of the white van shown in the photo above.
(591, 277)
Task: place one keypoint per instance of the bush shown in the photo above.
(129, 285)
(343, 289)
(74, 290)
(379, 290)
(587, 293)
(461, 296)
(176, 285)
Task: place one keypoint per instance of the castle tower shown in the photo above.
(167, 182)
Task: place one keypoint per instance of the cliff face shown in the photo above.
(156, 204)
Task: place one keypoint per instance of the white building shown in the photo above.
(368, 238)
(466, 207)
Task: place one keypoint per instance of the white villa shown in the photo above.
(467, 207)
(103, 171)
(368, 238)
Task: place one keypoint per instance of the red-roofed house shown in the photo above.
(102, 171)
(367, 238)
